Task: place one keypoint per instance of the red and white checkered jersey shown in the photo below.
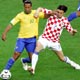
(46, 11)
(54, 27)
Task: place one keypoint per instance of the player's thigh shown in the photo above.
(19, 45)
(30, 47)
(39, 46)
(42, 43)
(55, 46)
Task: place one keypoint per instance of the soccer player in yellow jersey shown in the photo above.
(27, 34)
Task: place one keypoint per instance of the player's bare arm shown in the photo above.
(5, 32)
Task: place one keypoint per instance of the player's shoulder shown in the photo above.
(20, 13)
(33, 11)
(64, 18)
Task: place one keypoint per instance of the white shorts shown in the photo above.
(53, 45)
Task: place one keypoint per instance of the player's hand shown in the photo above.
(54, 12)
(74, 31)
(36, 15)
(3, 36)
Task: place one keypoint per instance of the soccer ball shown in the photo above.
(5, 74)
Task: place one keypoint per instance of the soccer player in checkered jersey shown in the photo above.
(56, 22)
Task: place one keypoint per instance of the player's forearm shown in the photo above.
(8, 28)
(5, 32)
(54, 12)
(37, 12)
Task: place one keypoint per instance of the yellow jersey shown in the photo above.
(28, 24)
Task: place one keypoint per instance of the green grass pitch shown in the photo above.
(49, 67)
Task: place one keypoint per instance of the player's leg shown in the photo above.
(74, 15)
(12, 60)
(28, 59)
(58, 50)
(10, 63)
(39, 47)
(78, 10)
(18, 50)
(41, 44)
(25, 62)
(30, 47)
(66, 59)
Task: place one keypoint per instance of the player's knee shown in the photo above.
(16, 55)
(39, 47)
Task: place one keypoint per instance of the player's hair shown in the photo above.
(23, 1)
(62, 7)
(27, 2)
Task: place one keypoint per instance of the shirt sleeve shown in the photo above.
(46, 11)
(67, 25)
(15, 20)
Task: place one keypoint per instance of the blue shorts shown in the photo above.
(25, 43)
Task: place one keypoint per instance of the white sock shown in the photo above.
(34, 60)
(72, 63)
(67, 60)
